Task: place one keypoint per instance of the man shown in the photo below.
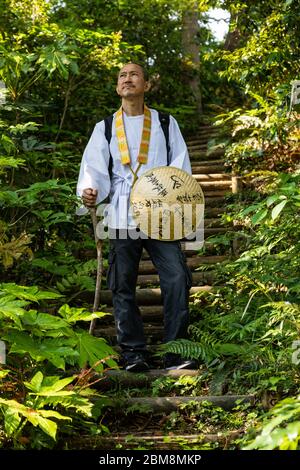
(137, 144)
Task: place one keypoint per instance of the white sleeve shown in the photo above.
(94, 166)
(178, 149)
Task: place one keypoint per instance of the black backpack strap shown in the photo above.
(165, 122)
(108, 129)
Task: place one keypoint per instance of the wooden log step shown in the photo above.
(207, 245)
(206, 163)
(203, 169)
(150, 313)
(201, 145)
(196, 261)
(153, 333)
(128, 379)
(204, 277)
(215, 177)
(198, 155)
(169, 404)
(203, 135)
(208, 130)
(215, 201)
(147, 267)
(148, 296)
(213, 185)
(203, 129)
(210, 192)
(212, 212)
(204, 147)
(201, 139)
(157, 441)
(212, 231)
(213, 222)
(192, 248)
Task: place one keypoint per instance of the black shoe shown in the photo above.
(175, 362)
(136, 363)
(190, 364)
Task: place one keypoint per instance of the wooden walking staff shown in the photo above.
(98, 243)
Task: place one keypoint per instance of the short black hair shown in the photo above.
(142, 66)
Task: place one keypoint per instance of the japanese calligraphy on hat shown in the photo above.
(167, 203)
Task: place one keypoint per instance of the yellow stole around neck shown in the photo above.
(122, 141)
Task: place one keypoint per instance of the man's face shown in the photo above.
(131, 81)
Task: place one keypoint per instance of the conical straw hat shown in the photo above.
(167, 203)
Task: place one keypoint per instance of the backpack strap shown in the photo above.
(108, 130)
(165, 122)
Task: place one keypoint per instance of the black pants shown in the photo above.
(175, 282)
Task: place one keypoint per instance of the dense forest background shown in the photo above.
(58, 66)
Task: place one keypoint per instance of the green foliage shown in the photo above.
(32, 293)
(184, 385)
(245, 330)
(264, 136)
(262, 63)
(280, 428)
(204, 417)
(43, 392)
(266, 53)
(38, 343)
(46, 337)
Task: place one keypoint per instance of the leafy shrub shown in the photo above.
(41, 348)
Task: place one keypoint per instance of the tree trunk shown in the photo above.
(233, 37)
(190, 44)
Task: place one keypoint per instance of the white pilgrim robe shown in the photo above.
(94, 171)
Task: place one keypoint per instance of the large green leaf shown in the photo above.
(12, 421)
(36, 382)
(278, 208)
(259, 216)
(74, 314)
(51, 266)
(32, 293)
(12, 309)
(43, 321)
(72, 400)
(11, 162)
(48, 426)
(50, 391)
(230, 349)
(55, 350)
(35, 417)
(92, 350)
(55, 387)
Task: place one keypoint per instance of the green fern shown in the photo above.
(285, 309)
(189, 349)
(199, 335)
